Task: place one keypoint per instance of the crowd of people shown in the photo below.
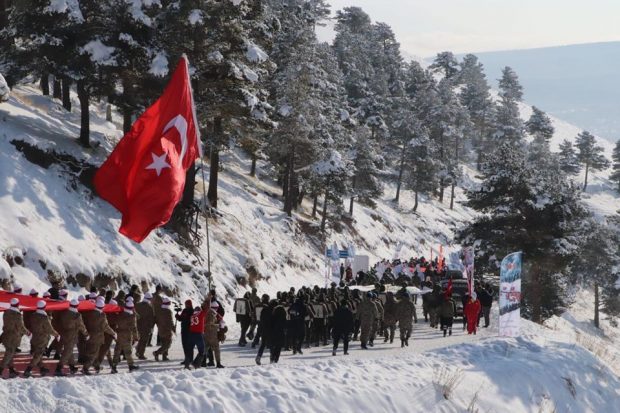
(309, 317)
(57, 334)
(290, 321)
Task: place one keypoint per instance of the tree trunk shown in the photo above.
(479, 160)
(596, 306)
(352, 197)
(4, 18)
(324, 218)
(66, 95)
(57, 88)
(452, 196)
(253, 166)
(84, 114)
(535, 297)
(127, 117)
(415, 205)
(190, 186)
(108, 111)
(441, 188)
(400, 173)
(290, 195)
(315, 204)
(45, 83)
(585, 183)
(214, 168)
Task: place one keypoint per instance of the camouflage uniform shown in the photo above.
(165, 328)
(42, 330)
(126, 335)
(389, 317)
(404, 313)
(12, 331)
(146, 321)
(71, 325)
(367, 313)
(97, 325)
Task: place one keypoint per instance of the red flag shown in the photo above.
(145, 174)
(28, 303)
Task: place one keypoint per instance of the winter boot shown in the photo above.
(156, 355)
(13, 373)
(44, 371)
(450, 332)
(59, 372)
(219, 366)
(28, 372)
(257, 360)
(85, 371)
(402, 343)
(133, 367)
(113, 370)
(73, 369)
(334, 353)
(445, 332)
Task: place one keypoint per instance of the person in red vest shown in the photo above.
(196, 337)
(472, 309)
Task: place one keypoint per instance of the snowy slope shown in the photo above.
(60, 227)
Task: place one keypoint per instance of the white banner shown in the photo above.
(510, 295)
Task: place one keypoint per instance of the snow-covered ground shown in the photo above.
(551, 368)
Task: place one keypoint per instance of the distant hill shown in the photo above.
(578, 83)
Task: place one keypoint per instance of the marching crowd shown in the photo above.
(290, 321)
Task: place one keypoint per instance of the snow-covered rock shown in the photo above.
(4, 89)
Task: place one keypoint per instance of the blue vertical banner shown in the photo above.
(510, 295)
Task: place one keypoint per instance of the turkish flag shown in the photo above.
(145, 174)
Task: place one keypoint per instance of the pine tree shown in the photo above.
(615, 175)
(528, 207)
(508, 125)
(568, 158)
(365, 184)
(446, 64)
(598, 263)
(539, 126)
(590, 155)
(422, 169)
(509, 85)
(475, 96)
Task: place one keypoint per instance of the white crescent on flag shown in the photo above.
(180, 124)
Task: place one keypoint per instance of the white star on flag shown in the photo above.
(159, 163)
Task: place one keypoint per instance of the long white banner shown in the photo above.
(510, 295)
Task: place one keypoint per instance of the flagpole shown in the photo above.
(204, 200)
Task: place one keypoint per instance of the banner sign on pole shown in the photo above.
(510, 295)
(468, 263)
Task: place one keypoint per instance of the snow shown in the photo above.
(195, 17)
(215, 57)
(127, 38)
(136, 8)
(71, 7)
(159, 64)
(4, 89)
(100, 53)
(564, 366)
(255, 54)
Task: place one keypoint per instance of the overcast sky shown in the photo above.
(425, 27)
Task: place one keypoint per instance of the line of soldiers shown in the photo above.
(311, 316)
(92, 332)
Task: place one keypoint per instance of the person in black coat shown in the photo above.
(342, 327)
(264, 328)
(278, 331)
(486, 301)
(298, 313)
(184, 317)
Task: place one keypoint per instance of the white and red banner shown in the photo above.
(510, 295)
(28, 303)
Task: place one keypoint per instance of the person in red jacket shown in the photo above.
(472, 309)
(196, 337)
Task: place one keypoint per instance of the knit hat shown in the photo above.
(81, 298)
(92, 296)
(63, 293)
(128, 299)
(41, 304)
(34, 292)
(214, 304)
(14, 302)
(74, 303)
(46, 294)
(165, 301)
(129, 304)
(113, 302)
(148, 296)
(17, 289)
(100, 302)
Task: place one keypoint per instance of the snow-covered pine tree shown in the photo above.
(335, 172)
(539, 126)
(507, 124)
(225, 43)
(528, 207)
(590, 155)
(140, 61)
(615, 175)
(422, 167)
(567, 157)
(446, 64)
(598, 265)
(365, 184)
(509, 85)
(476, 98)
(448, 129)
